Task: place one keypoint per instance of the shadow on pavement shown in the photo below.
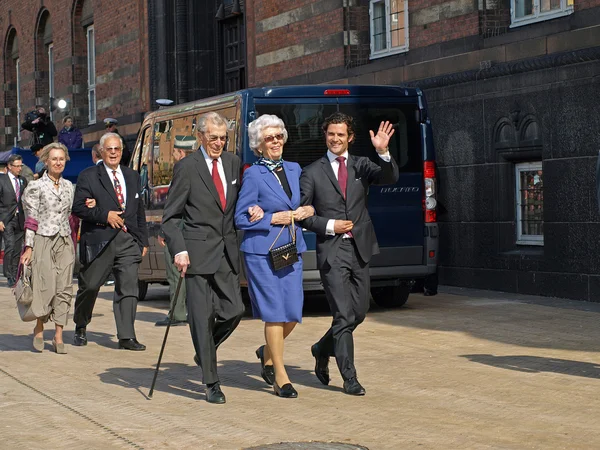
(186, 380)
(537, 364)
(173, 378)
(23, 343)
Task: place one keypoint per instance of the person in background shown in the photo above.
(70, 136)
(277, 295)
(111, 127)
(39, 165)
(49, 246)
(12, 217)
(40, 125)
(96, 154)
(182, 147)
(27, 173)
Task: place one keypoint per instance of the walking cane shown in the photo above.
(162, 349)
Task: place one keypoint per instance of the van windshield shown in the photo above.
(306, 142)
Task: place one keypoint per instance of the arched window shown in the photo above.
(12, 118)
(44, 61)
(84, 73)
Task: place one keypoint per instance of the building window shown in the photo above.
(91, 69)
(530, 203)
(389, 27)
(524, 12)
(51, 77)
(18, 82)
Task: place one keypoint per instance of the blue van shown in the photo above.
(404, 214)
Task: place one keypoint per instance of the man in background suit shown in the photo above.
(337, 186)
(203, 194)
(114, 237)
(182, 147)
(12, 216)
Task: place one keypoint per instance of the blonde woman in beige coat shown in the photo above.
(49, 245)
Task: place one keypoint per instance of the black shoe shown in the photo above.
(353, 387)
(321, 365)
(214, 394)
(197, 361)
(285, 391)
(267, 372)
(174, 323)
(131, 344)
(80, 338)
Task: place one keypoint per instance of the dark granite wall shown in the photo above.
(477, 185)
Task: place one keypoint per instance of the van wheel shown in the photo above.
(142, 290)
(391, 296)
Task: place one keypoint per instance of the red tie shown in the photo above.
(218, 182)
(119, 192)
(343, 178)
(342, 174)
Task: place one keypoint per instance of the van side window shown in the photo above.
(177, 133)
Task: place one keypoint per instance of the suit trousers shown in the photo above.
(347, 286)
(13, 243)
(122, 256)
(215, 308)
(177, 304)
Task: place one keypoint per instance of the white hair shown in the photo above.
(256, 127)
(212, 117)
(108, 136)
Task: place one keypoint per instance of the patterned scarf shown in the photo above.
(270, 164)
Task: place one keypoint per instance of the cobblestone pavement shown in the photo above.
(464, 369)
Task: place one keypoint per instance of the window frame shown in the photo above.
(19, 111)
(91, 78)
(538, 15)
(525, 239)
(388, 34)
(51, 76)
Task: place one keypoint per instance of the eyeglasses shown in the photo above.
(17, 165)
(271, 138)
(213, 138)
(116, 149)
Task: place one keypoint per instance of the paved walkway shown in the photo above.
(464, 369)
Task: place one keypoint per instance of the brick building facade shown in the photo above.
(112, 58)
(91, 53)
(514, 97)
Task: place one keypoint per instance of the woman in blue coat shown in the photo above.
(70, 136)
(277, 295)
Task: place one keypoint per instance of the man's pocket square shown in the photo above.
(234, 181)
(137, 195)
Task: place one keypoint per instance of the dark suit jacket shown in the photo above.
(95, 183)
(321, 189)
(8, 200)
(207, 230)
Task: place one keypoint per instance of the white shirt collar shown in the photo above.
(110, 171)
(206, 157)
(332, 156)
(12, 177)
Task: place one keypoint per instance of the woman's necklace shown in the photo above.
(56, 182)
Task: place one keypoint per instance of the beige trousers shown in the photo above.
(52, 277)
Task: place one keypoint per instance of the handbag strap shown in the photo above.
(292, 234)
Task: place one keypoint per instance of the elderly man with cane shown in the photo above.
(203, 194)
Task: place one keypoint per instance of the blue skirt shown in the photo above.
(277, 296)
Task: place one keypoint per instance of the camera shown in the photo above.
(32, 115)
